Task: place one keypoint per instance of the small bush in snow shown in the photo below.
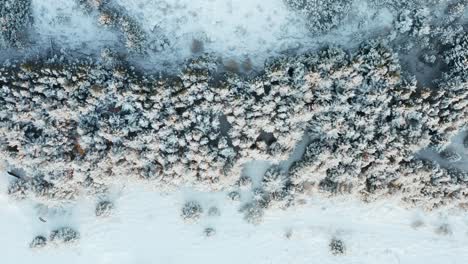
(38, 242)
(245, 182)
(104, 208)
(191, 211)
(209, 232)
(234, 196)
(465, 141)
(253, 213)
(337, 247)
(214, 211)
(64, 235)
(197, 46)
(261, 198)
(274, 180)
(450, 155)
(417, 224)
(444, 230)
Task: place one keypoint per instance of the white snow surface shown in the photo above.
(234, 29)
(146, 227)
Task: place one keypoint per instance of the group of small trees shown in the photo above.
(15, 22)
(109, 14)
(60, 236)
(321, 15)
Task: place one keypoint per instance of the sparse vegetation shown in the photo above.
(209, 232)
(104, 208)
(245, 182)
(214, 211)
(38, 242)
(337, 247)
(191, 211)
(234, 196)
(444, 230)
(253, 213)
(322, 15)
(64, 235)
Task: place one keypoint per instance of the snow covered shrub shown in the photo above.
(404, 4)
(417, 224)
(234, 196)
(214, 211)
(261, 198)
(209, 232)
(64, 235)
(415, 22)
(37, 186)
(38, 242)
(337, 247)
(322, 15)
(274, 180)
(191, 211)
(456, 9)
(456, 56)
(111, 15)
(158, 41)
(197, 46)
(288, 234)
(253, 213)
(450, 155)
(18, 188)
(245, 182)
(104, 208)
(15, 20)
(444, 230)
(438, 186)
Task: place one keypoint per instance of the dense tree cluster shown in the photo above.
(321, 15)
(64, 235)
(111, 15)
(15, 20)
(68, 127)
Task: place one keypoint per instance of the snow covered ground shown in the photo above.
(146, 227)
(251, 30)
